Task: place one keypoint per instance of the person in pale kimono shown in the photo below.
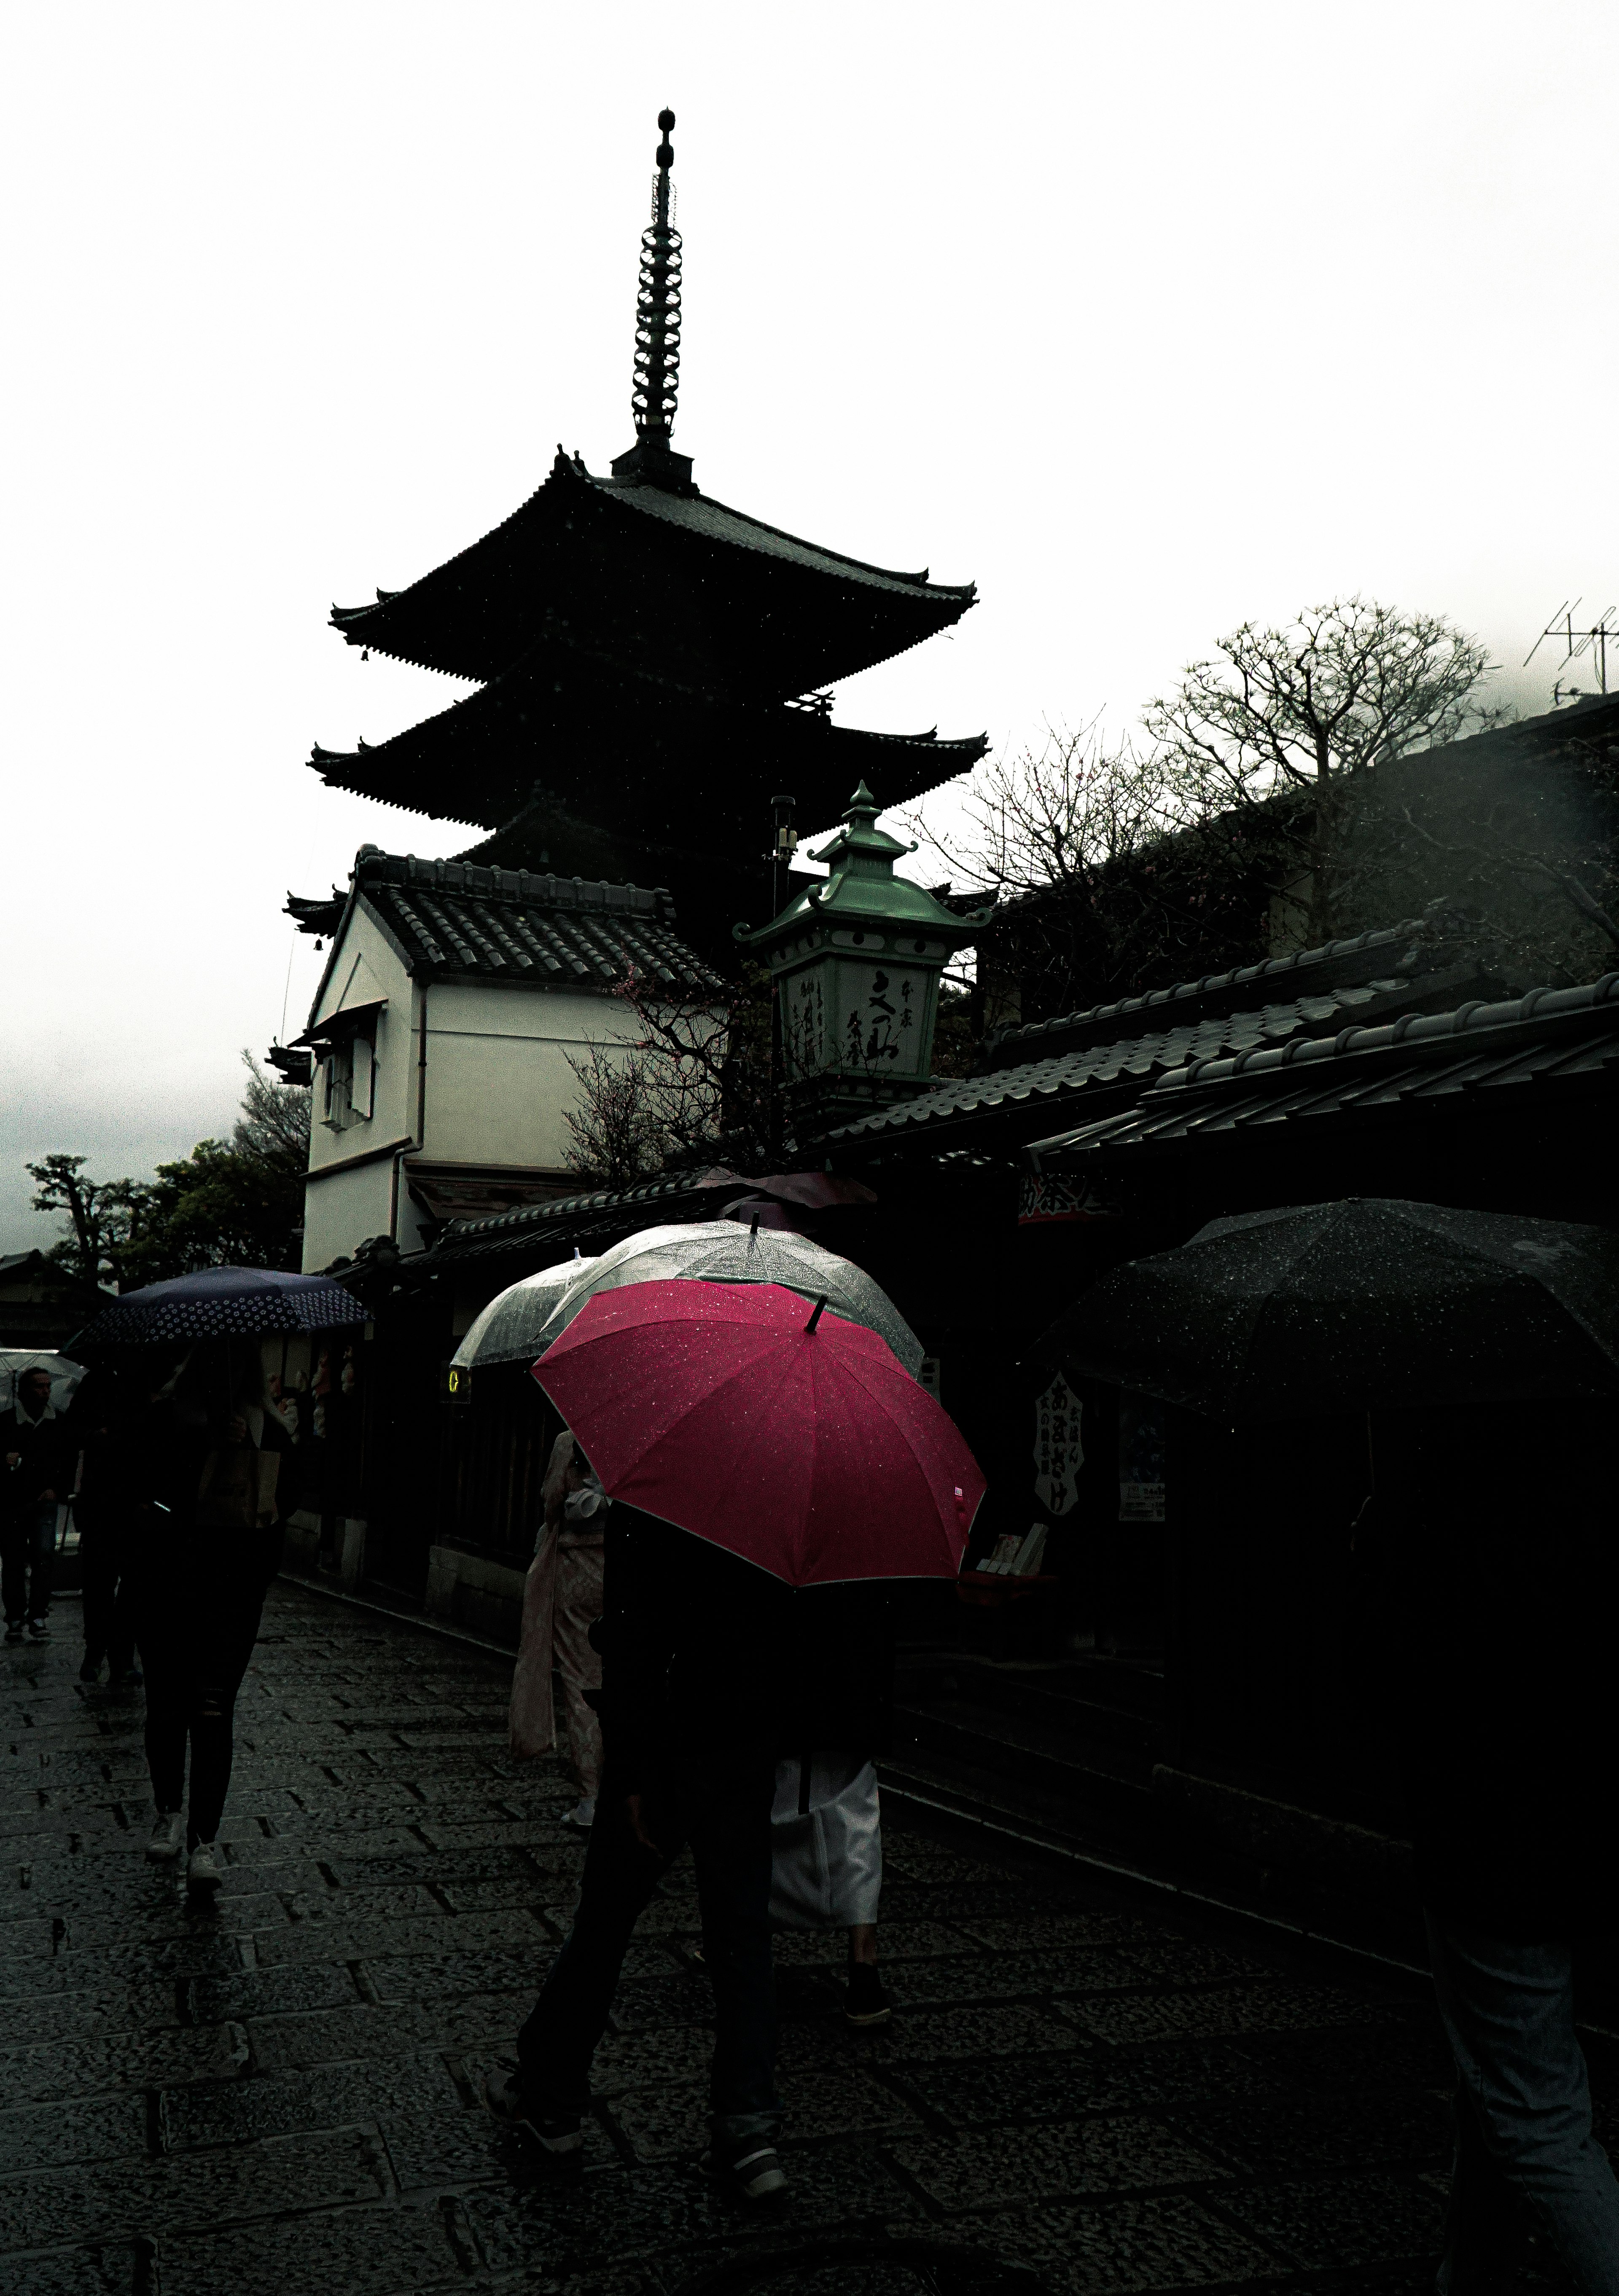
(561, 1601)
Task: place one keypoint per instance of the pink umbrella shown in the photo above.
(796, 1441)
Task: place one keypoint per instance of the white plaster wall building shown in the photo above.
(452, 1002)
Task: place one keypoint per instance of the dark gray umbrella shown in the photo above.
(1365, 1305)
(220, 1302)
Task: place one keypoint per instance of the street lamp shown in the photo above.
(856, 962)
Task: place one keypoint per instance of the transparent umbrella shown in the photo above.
(64, 1374)
(508, 1330)
(722, 1252)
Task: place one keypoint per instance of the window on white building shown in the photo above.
(348, 1081)
(362, 1068)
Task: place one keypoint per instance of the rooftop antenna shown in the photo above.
(1576, 642)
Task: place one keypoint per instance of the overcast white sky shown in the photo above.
(1148, 319)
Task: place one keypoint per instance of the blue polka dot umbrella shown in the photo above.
(220, 1303)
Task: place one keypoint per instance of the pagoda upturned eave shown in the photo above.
(576, 723)
(781, 614)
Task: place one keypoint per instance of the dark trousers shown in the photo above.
(109, 1609)
(194, 1662)
(720, 1804)
(27, 1554)
(1523, 2116)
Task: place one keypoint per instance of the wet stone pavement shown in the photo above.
(282, 2093)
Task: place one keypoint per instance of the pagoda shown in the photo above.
(653, 664)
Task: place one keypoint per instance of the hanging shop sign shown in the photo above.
(1058, 1452)
(1044, 1197)
(1140, 1459)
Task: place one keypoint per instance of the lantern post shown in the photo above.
(855, 963)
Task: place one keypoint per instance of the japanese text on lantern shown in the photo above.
(883, 1026)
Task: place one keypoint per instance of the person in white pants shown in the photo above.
(827, 1873)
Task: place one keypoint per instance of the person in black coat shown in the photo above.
(106, 1416)
(1499, 1531)
(711, 1669)
(211, 1486)
(37, 1460)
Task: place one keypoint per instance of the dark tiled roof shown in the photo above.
(1352, 960)
(1551, 1034)
(792, 614)
(551, 1229)
(510, 924)
(694, 513)
(601, 720)
(702, 515)
(1035, 1086)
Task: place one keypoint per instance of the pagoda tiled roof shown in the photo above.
(771, 610)
(716, 521)
(453, 918)
(579, 718)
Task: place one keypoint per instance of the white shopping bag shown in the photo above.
(826, 1829)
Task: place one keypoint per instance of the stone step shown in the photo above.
(1013, 1763)
(1065, 1700)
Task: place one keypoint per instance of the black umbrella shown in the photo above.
(220, 1303)
(1365, 1305)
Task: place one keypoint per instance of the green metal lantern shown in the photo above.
(857, 962)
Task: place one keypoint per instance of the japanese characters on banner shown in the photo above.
(1058, 1452)
(1140, 1459)
(1046, 1197)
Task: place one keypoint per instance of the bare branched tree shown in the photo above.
(692, 1085)
(1345, 688)
(614, 1141)
(1110, 869)
(1056, 816)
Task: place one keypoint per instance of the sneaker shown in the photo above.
(38, 1632)
(168, 1835)
(202, 1872)
(503, 2093)
(580, 1819)
(750, 2172)
(865, 2002)
(14, 1630)
(90, 1671)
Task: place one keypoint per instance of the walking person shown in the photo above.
(562, 1602)
(1495, 1556)
(826, 1824)
(39, 1457)
(107, 1412)
(212, 1496)
(836, 1468)
(826, 1864)
(698, 1660)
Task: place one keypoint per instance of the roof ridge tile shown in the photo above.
(1269, 968)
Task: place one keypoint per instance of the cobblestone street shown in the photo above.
(284, 2095)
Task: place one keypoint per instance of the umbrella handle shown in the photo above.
(815, 1315)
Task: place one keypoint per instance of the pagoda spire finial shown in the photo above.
(658, 307)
